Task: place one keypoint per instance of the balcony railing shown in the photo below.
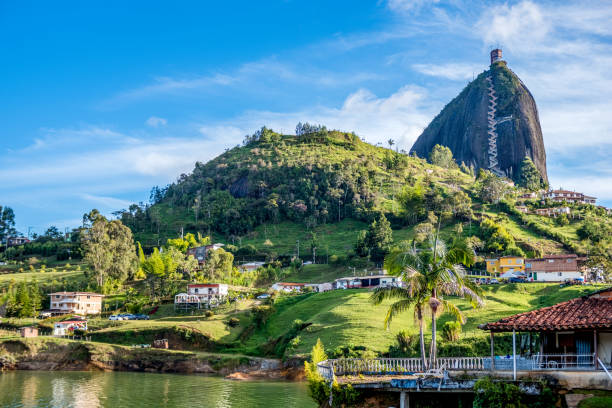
(405, 366)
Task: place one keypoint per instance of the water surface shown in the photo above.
(35, 389)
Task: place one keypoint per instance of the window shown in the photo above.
(195, 290)
(560, 273)
(569, 260)
(551, 260)
(528, 265)
(88, 297)
(57, 296)
(509, 261)
(519, 261)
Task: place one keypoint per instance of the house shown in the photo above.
(509, 263)
(15, 241)
(576, 334)
(250, 266)
(81, 303)
(553, 212)
(528, 196)
(288, 287)
(374, 281)
(553, 268)
(321, 287)
(522, 208)
(199, 253)
(28, 332)
(201, 295)
(67, 327)
(569, 196)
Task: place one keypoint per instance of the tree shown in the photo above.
(361, 247)
(529, 176)
(442, 156)
(7, 224)
(109, 250)
(53, 233)
(391, 143)
(379, 238)
(218, 265)
(490, 188)
(429, 274)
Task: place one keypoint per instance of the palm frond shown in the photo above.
(397, 308)
(454, 310)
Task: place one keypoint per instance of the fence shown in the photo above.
(395, 366)
(399, 366)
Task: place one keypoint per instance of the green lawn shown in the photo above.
(346, 317)
(41, 277)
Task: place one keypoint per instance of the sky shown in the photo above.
(100, 101)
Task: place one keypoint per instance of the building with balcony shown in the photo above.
(81, 303)
(201, 295)
(569, 196)
(508, 263)
(553, 268)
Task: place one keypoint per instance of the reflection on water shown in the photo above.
(34, 389)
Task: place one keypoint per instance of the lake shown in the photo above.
(34, 389)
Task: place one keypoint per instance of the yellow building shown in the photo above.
(508, 263)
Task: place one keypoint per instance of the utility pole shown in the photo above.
(181, 233)
(29, 229)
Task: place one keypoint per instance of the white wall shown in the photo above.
(554, 276)
(604, 347)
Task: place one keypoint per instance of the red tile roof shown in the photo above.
(581, 313)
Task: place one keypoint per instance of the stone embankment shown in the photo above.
(61, 354)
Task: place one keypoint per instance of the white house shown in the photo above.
(287, 287)
(67, 327)
(250, 266)
(321, 287)
(553, 268)
(373, 281)
(201, 295)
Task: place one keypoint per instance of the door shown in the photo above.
(584, 349)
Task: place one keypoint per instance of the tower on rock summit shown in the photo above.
(492, 124)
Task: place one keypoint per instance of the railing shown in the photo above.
(399, 366)
(395, 366)
(563, 362)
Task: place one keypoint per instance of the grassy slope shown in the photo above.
(347, 317)
(41, 277)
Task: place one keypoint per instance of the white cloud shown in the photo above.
(409, 5)
(452, 71)
(155, 121)
(106, 202)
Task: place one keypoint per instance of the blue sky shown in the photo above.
(98, 103)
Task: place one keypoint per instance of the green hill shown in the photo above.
(267, 197)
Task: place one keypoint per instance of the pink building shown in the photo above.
(81, 303)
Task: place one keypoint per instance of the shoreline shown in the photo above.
(55, 354)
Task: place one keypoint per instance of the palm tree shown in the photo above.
(429, 274)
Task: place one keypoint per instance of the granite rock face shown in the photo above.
(492, 124)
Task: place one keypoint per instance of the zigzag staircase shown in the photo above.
(492, 129)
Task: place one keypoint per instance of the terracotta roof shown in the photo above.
(290, 284)
(581, 313)
(204, 285)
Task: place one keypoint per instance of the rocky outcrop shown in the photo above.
(492, 124)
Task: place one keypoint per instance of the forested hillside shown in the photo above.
(326, 188)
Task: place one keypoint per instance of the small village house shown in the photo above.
(552, 212)
(321, 287)
(250, 266)
(554, 268)
(29, 331)
(506, 264)
(522, 208)
(81, 303)
(528, 196)
(288, 287)
(67, 327)
(569, 196)
(373, 281)
(15, 241)
(201, 295)
(573, 335)
(199, 253)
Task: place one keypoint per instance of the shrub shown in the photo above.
(209, 313)
(451, 331)
(405, 340)
(233, 322)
